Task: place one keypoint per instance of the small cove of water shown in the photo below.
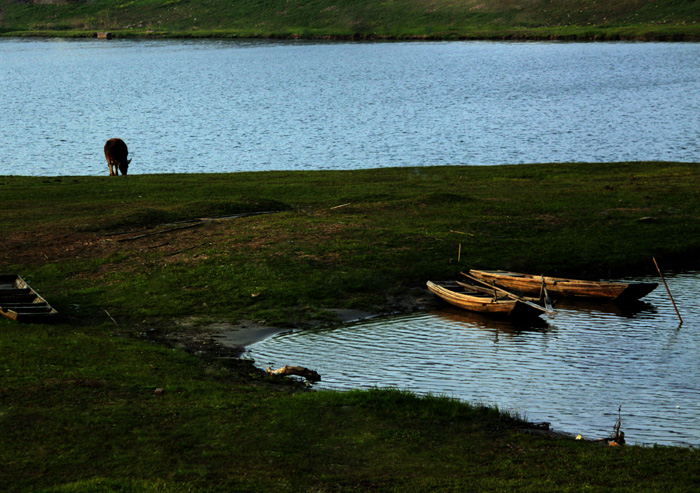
(574, 370)
(228, 106)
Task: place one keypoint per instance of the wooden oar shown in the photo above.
(547, 299)
(509, 294)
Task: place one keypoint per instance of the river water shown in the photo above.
(227, 106)
(575, 370)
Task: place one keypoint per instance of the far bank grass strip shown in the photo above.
(355, 20)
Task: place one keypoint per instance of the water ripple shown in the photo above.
(227, 106)
(574, 370)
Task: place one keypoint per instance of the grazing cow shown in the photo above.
(116, 152)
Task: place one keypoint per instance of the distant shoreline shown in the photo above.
(528, 35)
(537, 20)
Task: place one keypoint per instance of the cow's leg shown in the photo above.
(111, 170)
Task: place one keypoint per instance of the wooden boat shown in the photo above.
(20, 302)
(483, 300)
(559, 287)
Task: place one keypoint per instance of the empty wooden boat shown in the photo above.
(483, 300)
(560, 287)
(20, 302)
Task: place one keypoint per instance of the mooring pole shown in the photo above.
(667, 290)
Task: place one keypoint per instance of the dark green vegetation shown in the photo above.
(78, 403)
(359, 19)
(355, 239)
(79, 412)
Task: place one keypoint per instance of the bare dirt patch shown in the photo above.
(27, 249)
(21, 248)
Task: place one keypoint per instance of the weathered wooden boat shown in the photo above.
(528, 284)
(484, 300)
(20, 302)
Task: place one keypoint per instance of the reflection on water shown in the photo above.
(574, 369)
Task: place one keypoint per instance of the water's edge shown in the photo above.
(574, 371)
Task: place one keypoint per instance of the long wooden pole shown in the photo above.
(668, 290)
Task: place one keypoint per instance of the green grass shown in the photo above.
(78, 404)
(380, 245)
(396, 19)
(79, 411)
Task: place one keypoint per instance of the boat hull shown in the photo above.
(483, 303)
(20, 302)
(564, 288)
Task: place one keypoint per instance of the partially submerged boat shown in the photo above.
(528, 284)
(484, 300)
(20, 302)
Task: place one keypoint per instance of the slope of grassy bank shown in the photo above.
(397, 19)
(90, 403)
(355, 239)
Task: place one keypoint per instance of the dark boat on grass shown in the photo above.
(484, 300)
(528, 284)
(20, 302)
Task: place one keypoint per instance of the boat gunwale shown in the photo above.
(564, 287)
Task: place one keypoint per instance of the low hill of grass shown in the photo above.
(98, 401)
(361, 239)
(358, 19)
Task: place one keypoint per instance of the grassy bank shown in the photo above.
(126, 260)
(356, 239)
(351, 19)
(79, 411)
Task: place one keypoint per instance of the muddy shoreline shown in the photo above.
(225, 343)
(233, 338)
(226, 340)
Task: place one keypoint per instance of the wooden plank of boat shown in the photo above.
(533, 302)
(561, 287)
(18, 301)
(476, 300)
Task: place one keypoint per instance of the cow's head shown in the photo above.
(124, 166)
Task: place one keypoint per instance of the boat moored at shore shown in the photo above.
(484, 300)
(20, 302)
(532, 285)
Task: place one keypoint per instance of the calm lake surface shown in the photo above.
(226, 106)
(574, 370)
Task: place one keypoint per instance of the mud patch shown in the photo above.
(347, 316)
(246, 332)
(242, 334)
